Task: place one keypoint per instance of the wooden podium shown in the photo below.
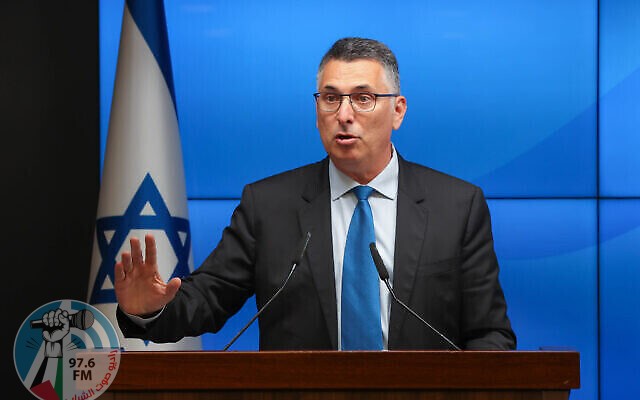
(346, 375)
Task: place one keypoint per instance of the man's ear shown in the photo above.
(399, 110)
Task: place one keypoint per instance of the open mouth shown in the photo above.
(346, 138)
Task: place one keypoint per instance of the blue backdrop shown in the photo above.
(537, 102)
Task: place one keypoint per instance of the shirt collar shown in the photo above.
(385, 183)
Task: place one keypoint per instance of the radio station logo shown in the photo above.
(66, 350)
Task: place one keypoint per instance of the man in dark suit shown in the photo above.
(433, 232)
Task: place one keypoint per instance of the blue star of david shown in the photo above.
(146, 193)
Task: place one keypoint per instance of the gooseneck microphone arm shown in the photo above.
(302, 248)
(384, 275)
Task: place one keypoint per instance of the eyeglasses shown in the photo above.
(361, 101)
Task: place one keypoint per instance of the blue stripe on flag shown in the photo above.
(150, 19)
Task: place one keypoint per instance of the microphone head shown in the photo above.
(377, 261)
(83, 319)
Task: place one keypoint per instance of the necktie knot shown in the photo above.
(362, 192)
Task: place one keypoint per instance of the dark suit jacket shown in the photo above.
(445, 267)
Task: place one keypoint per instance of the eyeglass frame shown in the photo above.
(316, 95)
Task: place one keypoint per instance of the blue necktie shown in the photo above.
(361, 329)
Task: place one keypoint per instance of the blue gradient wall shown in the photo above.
(619, 134)
(536, 102)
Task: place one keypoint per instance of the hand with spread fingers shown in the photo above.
(139, 287)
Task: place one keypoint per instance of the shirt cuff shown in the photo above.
(143, 320)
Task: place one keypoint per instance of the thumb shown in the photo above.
(172, 288)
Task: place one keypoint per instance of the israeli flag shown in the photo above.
(143, 188)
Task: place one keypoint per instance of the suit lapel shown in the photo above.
(316, 218)
(411, 223)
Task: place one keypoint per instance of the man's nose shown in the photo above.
(345, 113)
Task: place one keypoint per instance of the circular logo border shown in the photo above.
(66, 349)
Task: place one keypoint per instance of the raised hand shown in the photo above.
(139, 287)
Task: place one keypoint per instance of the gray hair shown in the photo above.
(355, 48)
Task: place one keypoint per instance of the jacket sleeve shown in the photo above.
(213, 292)
(485, 325)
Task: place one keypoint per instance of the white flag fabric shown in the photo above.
(143, 188)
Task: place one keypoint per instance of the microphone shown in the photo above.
(82, 319)
(384, 275)
(301, 249)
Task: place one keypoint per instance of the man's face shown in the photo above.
(359, 143)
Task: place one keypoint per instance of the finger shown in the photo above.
(56, 317)
(150, 249)
(46, 318)
(118, 271)
(136, 251)
(64, 319)
(51, 318)
(127, 262)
